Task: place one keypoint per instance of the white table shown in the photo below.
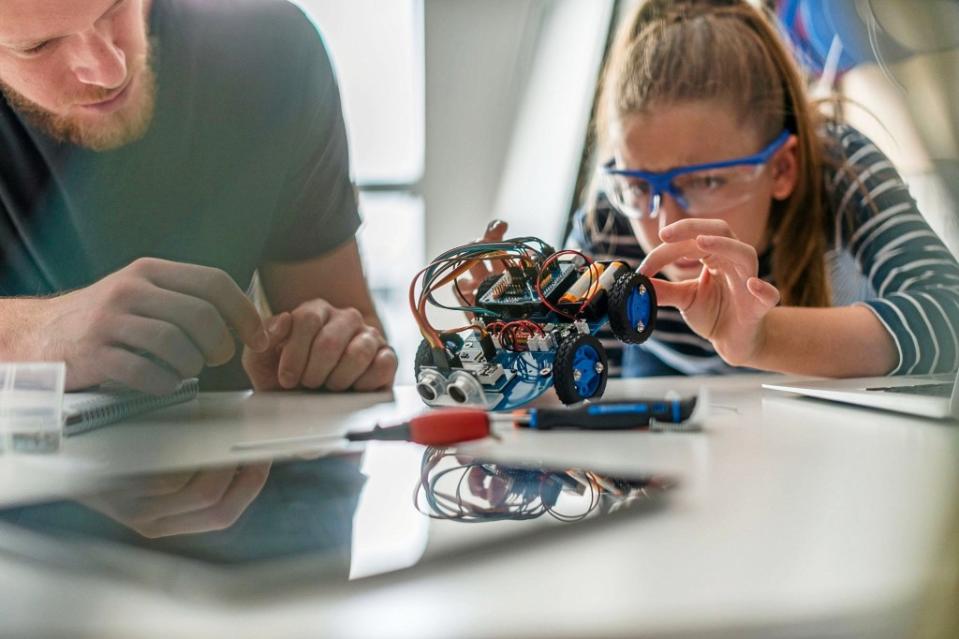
(793, 518)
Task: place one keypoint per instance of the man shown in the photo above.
(153, 155)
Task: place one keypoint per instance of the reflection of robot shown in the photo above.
(533, 326)
(469, 491)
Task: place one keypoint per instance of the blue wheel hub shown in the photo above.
(638, 309)
(586, 377)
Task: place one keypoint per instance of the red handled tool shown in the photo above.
(448, 426)
(441, 427)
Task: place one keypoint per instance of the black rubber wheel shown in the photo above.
(632, 308)
(425, 358)
(580, 369)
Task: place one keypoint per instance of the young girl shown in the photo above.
(781, 242)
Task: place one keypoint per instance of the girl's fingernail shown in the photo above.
(666, 233)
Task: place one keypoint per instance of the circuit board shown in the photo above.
(514, 293)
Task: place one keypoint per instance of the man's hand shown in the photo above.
(320, 346)
(183, 503)
(148, 326)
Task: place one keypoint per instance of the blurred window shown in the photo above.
(377, 51)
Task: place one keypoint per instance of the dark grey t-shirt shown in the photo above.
(246, 160)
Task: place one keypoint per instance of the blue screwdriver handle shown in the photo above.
(632, 414)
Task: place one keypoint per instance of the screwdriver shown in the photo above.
(672, 413)
(441, 427)
(448, 426)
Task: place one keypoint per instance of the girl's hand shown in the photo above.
(468, 285)
(727, 303)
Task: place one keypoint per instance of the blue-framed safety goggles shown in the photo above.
(700, 189)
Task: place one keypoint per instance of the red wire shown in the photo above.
(513, 332)
(506, 255)
(539, 281)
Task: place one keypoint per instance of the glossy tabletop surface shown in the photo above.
(783, 514)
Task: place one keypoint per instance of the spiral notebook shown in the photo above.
(83, 412)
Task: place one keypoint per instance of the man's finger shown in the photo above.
(296, 351)
(205, 490)
(263, 368)
(246, 486)
(136, 371)
(198, 318)
(216, 287)
(356, 359)
(279, 328)
(380, 374)
(328, 347)
(164, 341)
(153, 486)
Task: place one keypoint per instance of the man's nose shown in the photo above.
(98, 61)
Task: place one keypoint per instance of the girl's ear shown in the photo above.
(785, 169)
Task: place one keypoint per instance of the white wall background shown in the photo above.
(506, 87)
(509, 86)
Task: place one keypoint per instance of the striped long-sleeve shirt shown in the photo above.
(882, 255)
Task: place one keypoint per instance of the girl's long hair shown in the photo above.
(674, 51)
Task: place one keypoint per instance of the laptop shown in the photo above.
(935, 396)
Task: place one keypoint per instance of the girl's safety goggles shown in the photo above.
(700, 189)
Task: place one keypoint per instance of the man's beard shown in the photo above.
(126, 125)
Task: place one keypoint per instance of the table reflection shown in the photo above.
(225, 515)
(463, 489)
(331, 518)
(182, 503)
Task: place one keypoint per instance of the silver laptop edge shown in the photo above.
(853, 391)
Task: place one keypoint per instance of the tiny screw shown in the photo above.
(599, 368)
(642, 289)
(640, 327)
(577, 375)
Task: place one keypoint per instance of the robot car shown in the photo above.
(532, 326)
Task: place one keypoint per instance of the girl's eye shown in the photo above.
(638, 187)
(37, 48)
(707, 182)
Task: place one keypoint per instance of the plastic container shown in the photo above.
(31, 407)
